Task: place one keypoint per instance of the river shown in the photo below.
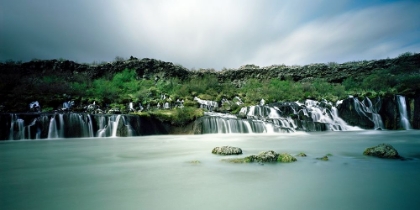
(179, 172)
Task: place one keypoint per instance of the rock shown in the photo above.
(325, 158)
(227, 150)
(248, 159)
(266, 156)
(301, 154)
(382, 151)
(286, 158)
(355, 113)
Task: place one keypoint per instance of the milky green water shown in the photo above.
(156, 172)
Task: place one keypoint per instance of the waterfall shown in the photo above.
(90, 126)
(402, 107)
(376, 118)
(17, 128)
(61, 127)
(52, 131)
(72, 125)
(226, 125)
(115, 126)
(102, 127)
(206, 104)
(324, 112)
(29, 129)
(367, 109)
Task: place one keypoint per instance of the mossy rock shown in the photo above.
(266, 156)
(324, 158)
(301, 154)
(227, 150)
(248, 159)
(286, 158)
(382, 151)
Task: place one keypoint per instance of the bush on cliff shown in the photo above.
(178, 116)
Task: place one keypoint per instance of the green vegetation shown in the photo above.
(177, 116)
(396, 79)
(286, 158)
(151, 83)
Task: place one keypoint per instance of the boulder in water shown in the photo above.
(382, 151)
(264, 157)
(227, 150)
(248, 159)
(286, 158)
(324, 158)
(301, 154)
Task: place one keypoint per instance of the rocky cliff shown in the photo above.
(156, 69)
(17, 79)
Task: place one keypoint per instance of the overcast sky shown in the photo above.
(210, 33)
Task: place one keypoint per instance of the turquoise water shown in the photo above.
(160, 172)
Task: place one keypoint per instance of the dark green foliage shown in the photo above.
(391, 80)
(23, 82)
(177, 116)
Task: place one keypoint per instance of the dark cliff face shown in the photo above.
(389, 113)
(151, 69)
(361, 114)
(416, 112)
(18, 79)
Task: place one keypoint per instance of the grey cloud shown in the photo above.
(370, 33)
(207, 34)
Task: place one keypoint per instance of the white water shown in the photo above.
(61, 129)
(52, 129)
(402, 107)
(90, 127)
(157, 172)
(367, 109)
(115, 125)
(19, 132)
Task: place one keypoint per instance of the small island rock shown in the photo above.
(227, 150)
(264, 157)
(324, 158)
(286, 158)
(382, 151)
(301, 154)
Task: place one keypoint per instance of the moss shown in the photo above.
(178, 117)
(325, 158)
(301, 154)
(194, 162)
(286, 158)
(248, 159)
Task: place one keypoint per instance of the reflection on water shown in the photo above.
(179, 172)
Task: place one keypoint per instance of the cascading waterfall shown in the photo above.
(67, 125)
(367, 109)
(222, 123)
(90, 126)
(115, 125)
(17, 128)
(376, 118)
(213, 124)
(402, 107)
(309, 116)
(102, 127)
(52, 131)
(61, 127)
(130, 130)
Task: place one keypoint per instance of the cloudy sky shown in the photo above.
(209, 33)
